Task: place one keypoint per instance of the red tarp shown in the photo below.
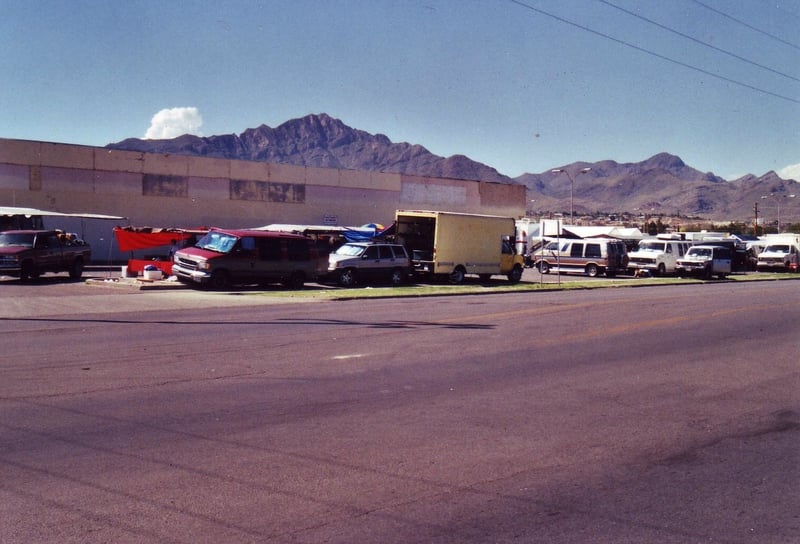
(132, 238)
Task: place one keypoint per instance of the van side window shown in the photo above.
(669, 248)
(298, 250)
(269, 249)
(593, 250)
(248, 243)
(576, 250)
(680, 250)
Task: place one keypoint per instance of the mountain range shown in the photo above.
(662, 184)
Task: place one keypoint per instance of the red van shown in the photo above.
(225, 257)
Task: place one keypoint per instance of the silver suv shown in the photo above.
(358, 262)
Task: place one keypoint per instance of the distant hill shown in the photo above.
(662, 184)
(322, 141)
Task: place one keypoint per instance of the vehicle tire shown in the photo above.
(457, 276)
(592, 270)
(296, 280)
(29, 272)
(220, 279)
(76, 270)
(544, 268)
(347, 277)
(515, 275)
(397, 277)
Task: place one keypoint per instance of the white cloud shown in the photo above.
(790, 172)
(174, 122)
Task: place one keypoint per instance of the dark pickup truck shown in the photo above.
(26, 254)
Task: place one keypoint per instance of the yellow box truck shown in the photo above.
(451, 245)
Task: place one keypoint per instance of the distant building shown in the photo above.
(167, 190)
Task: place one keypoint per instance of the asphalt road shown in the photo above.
(663, 414)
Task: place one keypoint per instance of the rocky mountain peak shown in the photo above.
(662, 183)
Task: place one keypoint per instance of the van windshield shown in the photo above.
(777, 249)
(652, 246)
(217, 241)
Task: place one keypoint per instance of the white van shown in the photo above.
(658, 255)
(592, 257)
(705, 261)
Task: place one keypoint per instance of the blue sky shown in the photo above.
(523, 86)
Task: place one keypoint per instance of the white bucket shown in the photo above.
(152, 274)
(124, 272)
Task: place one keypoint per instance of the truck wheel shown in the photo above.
(219, 280)
(29, 272)
(544, 268)
(515, 275)
(397, 277)
(296, 280)
(347, 277)
(661, 270)
(592, 271)
(76, 270)
(457, 276)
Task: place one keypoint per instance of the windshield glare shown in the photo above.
(778, 249)
(699, 252)
(652, 246)
(350, 251)
(217, 241)
(18, 240)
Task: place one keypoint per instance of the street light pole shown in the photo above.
(778, 202)
(571, 190)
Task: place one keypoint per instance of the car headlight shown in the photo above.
(203, 265)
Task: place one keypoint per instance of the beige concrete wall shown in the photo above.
(183, 191)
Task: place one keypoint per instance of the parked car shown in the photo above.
(592, 257)
(225, 257)
(27, 254)
(658, 255)
(705, 261)
(364, 262)
(781, 257)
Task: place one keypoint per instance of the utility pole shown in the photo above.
(755, 223)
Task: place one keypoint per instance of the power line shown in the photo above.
(751, 27)
(681, 34)
(653, 53)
